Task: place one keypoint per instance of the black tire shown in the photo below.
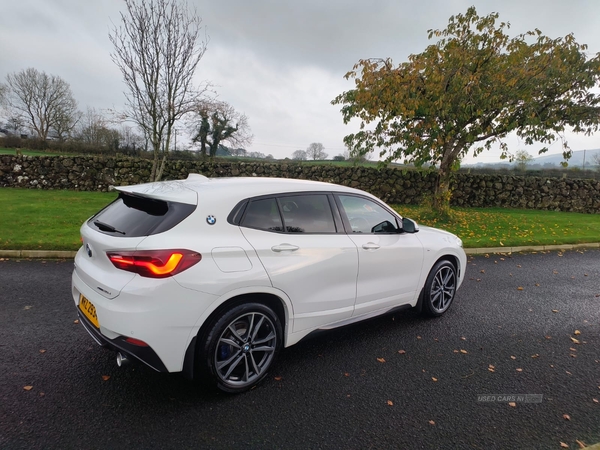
(240, 347)
(439, 289)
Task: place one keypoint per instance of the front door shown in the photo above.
(389, 261)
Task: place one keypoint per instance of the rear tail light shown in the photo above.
(155, 263)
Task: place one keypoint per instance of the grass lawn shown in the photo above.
(26, 152)
(33, 219)
(501, 227)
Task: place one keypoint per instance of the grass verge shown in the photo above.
(26, 152)
(32, 219)
(499, 227)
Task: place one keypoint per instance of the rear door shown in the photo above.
(306, 254)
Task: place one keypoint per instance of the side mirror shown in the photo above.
(409, 225)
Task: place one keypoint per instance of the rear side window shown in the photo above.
(133, 216)
(307, 214)
(263, 215)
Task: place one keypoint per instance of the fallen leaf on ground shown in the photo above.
(277, 378)
(455, 351)
(580, 443)
(576, 332)
(346, 374)
(519, 370)
(563, 445)
(381, 360)
(434, 379)
(513, 357)
(106, 377)
(28, 307)
(548, 337)
(28, 388)
(535, 356)
(402, 352)
(576, 341)
(595, 400)
(537, 284)
(42, 351)
(431, 422)
(462, 338)
(491, 368)
(520, 288)
(463, 351)
(572, 349)
(390, 403)
(76, 321)
(566, 417)
(482, 271)
(513, 404)
(418, 337)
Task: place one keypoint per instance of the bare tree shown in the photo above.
(91, 128)
(299, 155)
(215, 123)
(3, 92)
(596, 159)
(40, 100)
(65, 124)
(157, 47)
(316, 151)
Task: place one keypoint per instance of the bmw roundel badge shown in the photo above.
(211, 220)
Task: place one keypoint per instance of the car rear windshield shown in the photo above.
(135, 216)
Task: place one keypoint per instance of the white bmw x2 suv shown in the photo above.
(212, 277)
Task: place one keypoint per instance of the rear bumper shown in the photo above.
(144, 354)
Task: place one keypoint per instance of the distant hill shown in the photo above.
(575, 161)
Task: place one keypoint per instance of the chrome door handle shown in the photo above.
(370, 246)
(285, 248)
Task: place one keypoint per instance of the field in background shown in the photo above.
(50, 220)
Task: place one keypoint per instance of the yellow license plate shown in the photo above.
(88, 310)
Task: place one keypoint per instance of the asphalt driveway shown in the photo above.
(526, 325)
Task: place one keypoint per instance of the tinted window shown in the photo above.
(133, 216)
(366, 216)
(307, 214)
(263, 215)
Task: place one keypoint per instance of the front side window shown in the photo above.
(308, 213)
(263, 215)
(366, 216)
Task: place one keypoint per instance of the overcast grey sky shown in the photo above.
(279, 62)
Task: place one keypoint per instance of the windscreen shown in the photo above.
(135, 216)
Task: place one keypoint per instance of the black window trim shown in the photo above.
(340, 219)
(237, 214)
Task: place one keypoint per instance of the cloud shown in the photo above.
(280, 62)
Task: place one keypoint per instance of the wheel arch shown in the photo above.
(452, 259)
(273, 301)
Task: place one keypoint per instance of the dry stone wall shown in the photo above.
(96, 173)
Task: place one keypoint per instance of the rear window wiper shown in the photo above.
(106, 227)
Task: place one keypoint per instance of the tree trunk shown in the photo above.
(161, 168)
(441, 197)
